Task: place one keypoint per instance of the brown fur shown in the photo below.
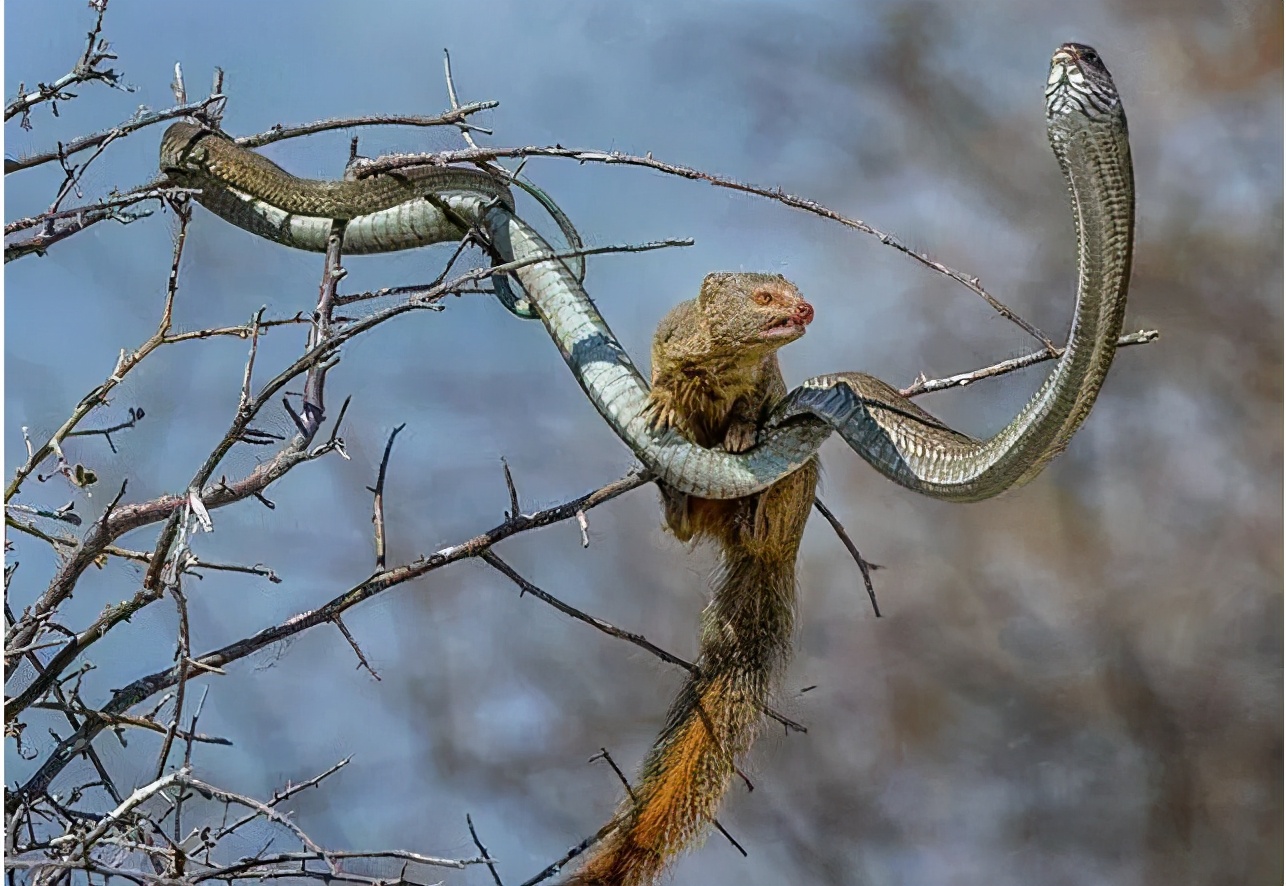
(715, 377)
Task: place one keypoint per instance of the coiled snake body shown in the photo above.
(1087, 130)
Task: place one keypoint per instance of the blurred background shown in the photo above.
(1079, 682)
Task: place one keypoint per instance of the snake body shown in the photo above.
(1089, 136)
(386, 212)
(1087, 130)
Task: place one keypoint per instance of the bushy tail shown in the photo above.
(745, 641)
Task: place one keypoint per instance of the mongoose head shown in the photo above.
(750, 310)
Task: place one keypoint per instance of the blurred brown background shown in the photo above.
(1079, 682)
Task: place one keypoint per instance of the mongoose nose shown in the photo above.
(804, 313)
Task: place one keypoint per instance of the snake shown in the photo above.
(1086, 126)
(385, 212)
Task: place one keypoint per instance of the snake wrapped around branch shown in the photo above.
(1087, 131)
(385, 212)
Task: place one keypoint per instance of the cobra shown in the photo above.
(1087, 130)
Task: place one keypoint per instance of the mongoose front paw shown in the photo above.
(661, 415)
(741, 435)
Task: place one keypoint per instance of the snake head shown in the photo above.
(181, 150)
(753, 312)
(1079, 83)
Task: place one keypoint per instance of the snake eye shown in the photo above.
(762, 297)
(1090, 56)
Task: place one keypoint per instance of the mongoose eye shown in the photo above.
(762, 297)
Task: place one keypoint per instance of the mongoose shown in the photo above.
(715, 377)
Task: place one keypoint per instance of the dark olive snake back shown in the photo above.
(216, 160)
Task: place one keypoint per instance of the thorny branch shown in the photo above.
(454, 117)
(299, 449)
(378, 491)
(87, 68)
(59, 225)
(606, 757)
(172, 508)
(200, 110)
(928, 386)
(200, 855)
(474, 155)
(24, 631)
(494, 561)
(145, 687)
(862, 565)
(486, 856)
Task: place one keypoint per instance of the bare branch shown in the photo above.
(446, 118)
(194, 564)
(435, 289)
(928, 386)
(464, 127)
(554, 868)
(491, 559)
(863, 566)
(138, 121)
(315, 382)
(473, 155)
(514, 510)
(282, 795)
(134, 721)
(361, 657)
(486, 856)
(145, 687)
(61, 224)
(86, 69)
(135, 416)
(131, 802)
(268, 812)
(378, 490)
(183, 654)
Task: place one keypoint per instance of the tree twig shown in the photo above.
(378, 491)
(97, 139)
(473, 155)
(928, 386)
(447, 118)
(145, 687)
(86, 69)
(493, 560)
(863, 566)
(486, 856)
